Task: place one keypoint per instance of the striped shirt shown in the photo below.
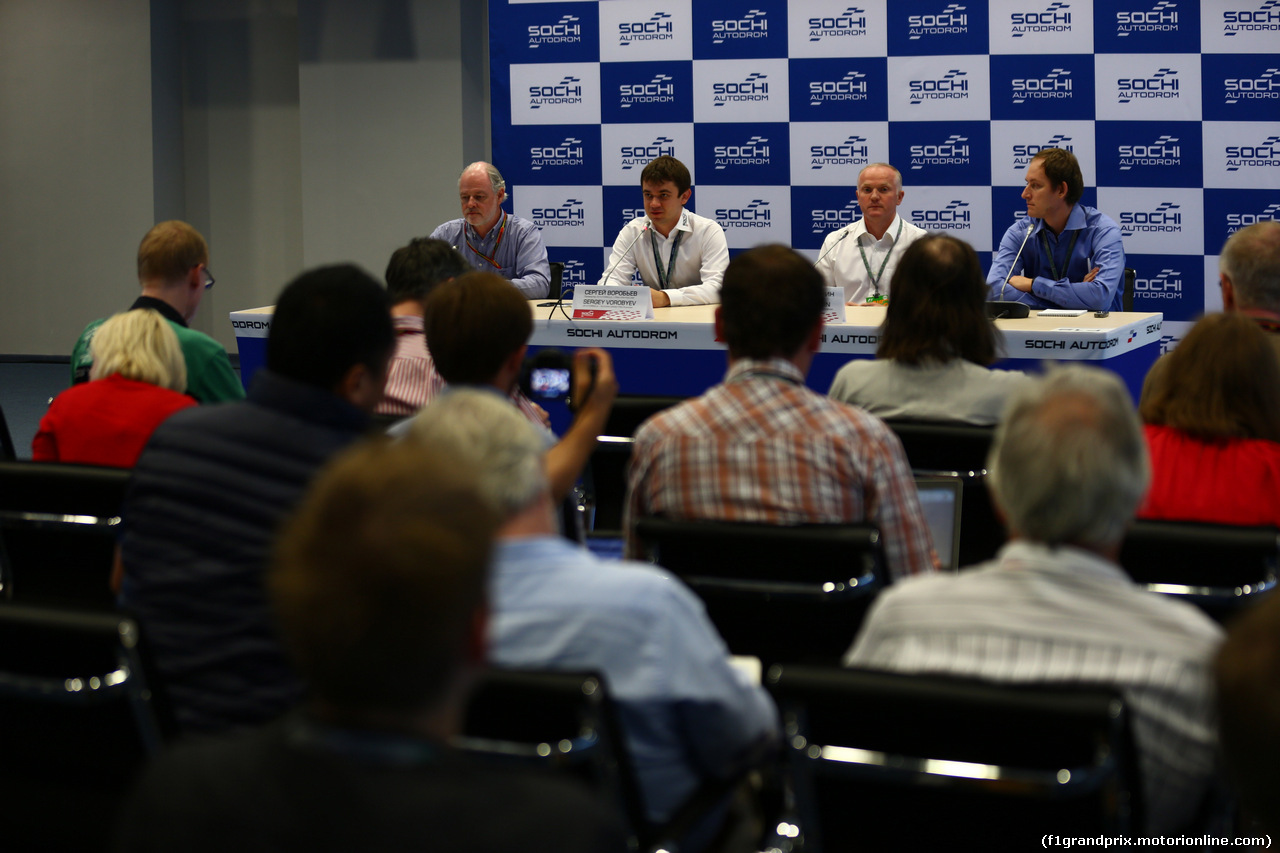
(761, 447)
(1037, 614)
(412, 378)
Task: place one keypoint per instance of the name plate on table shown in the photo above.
(835, 310)
(612, 303)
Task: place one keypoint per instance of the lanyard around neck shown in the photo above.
(664, 279)
(502, 230)
(875, 277)
(1053, 266)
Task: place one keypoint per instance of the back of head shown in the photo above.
(377, 577)
(1061, 167)
(414, 270)
(1251, 260)
(937, 310)
(139, 345)
(169, 250)
(492, 437)
(665, 168)
(328, 320)
(474, 323)
(1069, 465)
(1222, 381)
(771, 301)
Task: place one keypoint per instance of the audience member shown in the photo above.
(1068, 469)
(761, 447)
(173, 269)
(213, 483)
(689, 716)
(1212, 415)
(478, 330)
(1249, 271)
(865, 265)
(936, 343)
(1247, 672)
(682, 260)
(137, 380)
(378, 584)
(492, 240)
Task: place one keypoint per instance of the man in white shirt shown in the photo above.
(861, 257)
(682, 256)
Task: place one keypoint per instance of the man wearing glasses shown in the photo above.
(173, 269)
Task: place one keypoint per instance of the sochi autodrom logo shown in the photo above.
(568, 30)
(954, 217)
(849, 23)
(1160, 18)
(660, 90)
(755, 215)
(1265, 154)
(851, 87)
(754, 87)
(1023, 154)
(952, 151)
(753, 25)
(949, 86)
(1264, 18)
(1167, 284)
(1054, 19)
(632, 156)
(952, 20)
(568, 153)
(1166, 218)
(567, 91)
(753, 152)
(824, 220)
(571, 214)
(1264, 87)
(1053, 86)
(853, 151)
(1236, 221)
(1162, 84)
(1164, 151)
(658, 27)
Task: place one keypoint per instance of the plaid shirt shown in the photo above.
(412, 378)
(761, 447)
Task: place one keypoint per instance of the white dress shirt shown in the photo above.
(700, 260)
(843, 266)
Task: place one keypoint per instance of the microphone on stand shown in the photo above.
(647, 225)
(832, 247)
(998, 309)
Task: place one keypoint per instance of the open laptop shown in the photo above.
(940, 499)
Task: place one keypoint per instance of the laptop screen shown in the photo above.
(940, 501)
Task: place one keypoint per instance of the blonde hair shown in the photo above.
(140, 345)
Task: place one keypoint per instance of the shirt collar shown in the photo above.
(166, 310)
(1076, 221)
(890, 233)
(1038, 556)
(766, 368)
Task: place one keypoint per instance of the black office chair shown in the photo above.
(1130, 285)
(778, 593)
(557, 275)
(7, 450)
(881, 761)
(1218, 567)
(58, 525)
(957, 451)
(605, 478)
(78, 719)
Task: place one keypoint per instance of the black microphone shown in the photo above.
(647, 225)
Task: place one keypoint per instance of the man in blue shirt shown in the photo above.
(1062, 254)
(688, 715)
(493, 240)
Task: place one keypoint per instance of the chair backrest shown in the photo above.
(564, 721)
(78, 718)
(886, 761)
(1218, 567)
(606, 473)
(958, 451)
(58, 524)
(7, 451)
(557, 275)
(778, 593)
(1130, 285)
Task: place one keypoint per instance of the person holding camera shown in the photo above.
(478, 330)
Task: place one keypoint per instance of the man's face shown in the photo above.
(481, 206)
(664, 203)
(1043, 199)
(878, 195)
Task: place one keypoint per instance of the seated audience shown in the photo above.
(689, 716)
(137, 379)
(1249, 274)
(935, 345)
(173, 270)
(761, 447)
(1068, 468)
(478, 328)
(378, 585)
(1212, 413)
(213, 483)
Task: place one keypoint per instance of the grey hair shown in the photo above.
(1251, 260)
(495, 177)
(1069, 462)
(140, 345)
(483, 430)
(897, 176)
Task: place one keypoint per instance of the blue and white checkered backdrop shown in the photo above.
(1173, 109)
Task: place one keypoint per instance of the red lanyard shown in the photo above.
(502, 230)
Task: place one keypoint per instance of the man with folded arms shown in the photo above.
(681, 256)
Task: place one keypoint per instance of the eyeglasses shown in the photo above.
(208, 278)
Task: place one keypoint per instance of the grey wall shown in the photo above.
(290, 132)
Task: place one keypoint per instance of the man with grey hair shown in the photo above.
(1249, 269)
(493, 240)
(1068, 469)
(688, 714)
(861, 257)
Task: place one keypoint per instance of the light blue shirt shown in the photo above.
(1098, 245)
(521, 256)
(688, 715)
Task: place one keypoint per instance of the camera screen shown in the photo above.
(549, 381)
